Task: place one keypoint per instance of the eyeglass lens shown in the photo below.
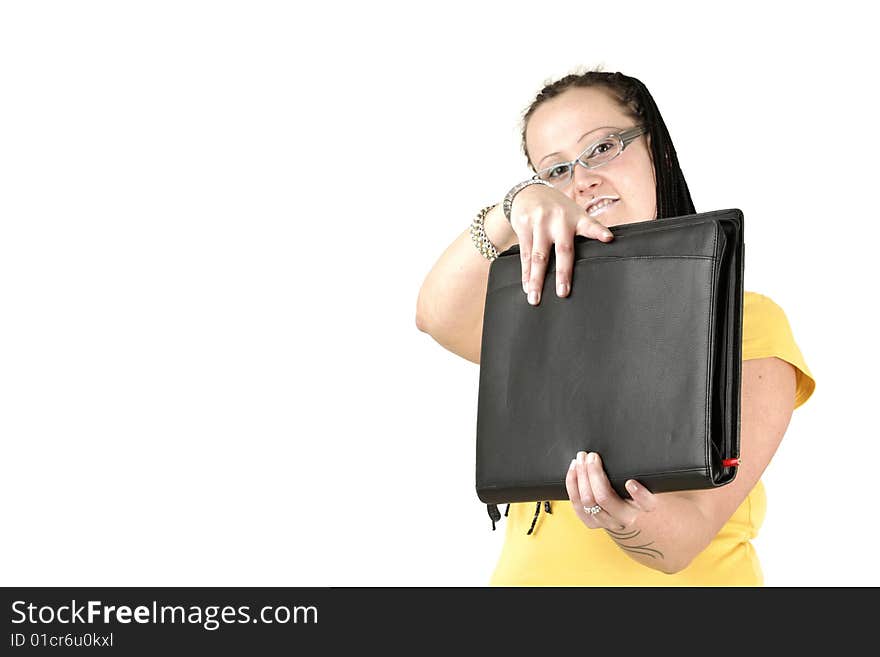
(598, 153)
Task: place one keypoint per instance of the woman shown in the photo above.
(595, 180)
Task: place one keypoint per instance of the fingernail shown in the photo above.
(631, 487)
(573, 463)
(591, 457)
(607, 233)
(560, 289)
(533, 297)
(582, 457)
(525, 287)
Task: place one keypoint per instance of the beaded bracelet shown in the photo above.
(508, 200)
(479, 237)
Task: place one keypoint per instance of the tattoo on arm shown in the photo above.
(617, 537)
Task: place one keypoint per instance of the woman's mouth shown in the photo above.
(600, 207)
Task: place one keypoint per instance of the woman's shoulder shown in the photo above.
(761, 314)
(766, 332)
(757, 301)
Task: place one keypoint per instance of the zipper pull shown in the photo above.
(494, 513)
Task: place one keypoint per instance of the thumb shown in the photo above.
(643, 498)
(593, 229)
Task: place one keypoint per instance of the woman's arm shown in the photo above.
(768, 395)
(667, 531)
(453, 296)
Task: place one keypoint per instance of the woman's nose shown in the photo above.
(584, 180)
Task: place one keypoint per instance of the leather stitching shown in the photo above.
(711, 355)
(609, 259)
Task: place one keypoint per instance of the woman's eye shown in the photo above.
(557, 172)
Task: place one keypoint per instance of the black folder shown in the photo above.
(641, 363)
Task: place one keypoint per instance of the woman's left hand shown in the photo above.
(588, 486)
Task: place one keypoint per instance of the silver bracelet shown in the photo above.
(508, 200)
(479, 237)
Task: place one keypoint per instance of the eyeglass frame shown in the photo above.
(626, 136)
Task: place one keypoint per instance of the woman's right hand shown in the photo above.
(542, 216)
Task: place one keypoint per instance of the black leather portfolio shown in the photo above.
(640, 362)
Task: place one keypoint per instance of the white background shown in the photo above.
(216, 218)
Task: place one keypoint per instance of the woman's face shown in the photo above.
(556, 133)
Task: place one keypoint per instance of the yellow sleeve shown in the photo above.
(766, 333)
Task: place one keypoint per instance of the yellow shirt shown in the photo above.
(562, 551)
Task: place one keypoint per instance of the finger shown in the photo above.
(564, 259)
(589, 227)
(540, 252)
(583, 480)
(644, 499)
(617, 511)
(588, 499)
(525, 257)
(571, 486)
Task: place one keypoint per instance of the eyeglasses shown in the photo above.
(600, 151)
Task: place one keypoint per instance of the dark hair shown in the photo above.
(673, 196)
